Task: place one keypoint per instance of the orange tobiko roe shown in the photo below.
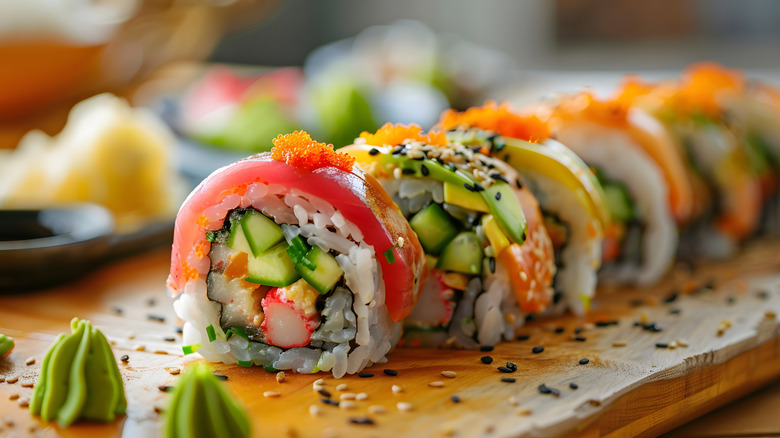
(394, 134)
(611, 111)
(499, 119)
(300, 151)
(701, 87)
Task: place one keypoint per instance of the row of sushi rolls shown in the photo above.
(314, 257)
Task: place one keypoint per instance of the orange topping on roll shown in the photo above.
(300, 151)
(499, 119)
(392, 135)
(702, 86)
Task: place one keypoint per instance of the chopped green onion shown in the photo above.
(240, 331)
(189, 349)
(245, 363)
(211, 236)
(212, 334)
(308, 263)
(389, 255)
(295, 254)
(270, 369)
(300, 244)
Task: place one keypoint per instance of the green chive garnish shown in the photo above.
(245, 363)
(189, 349)
(211, 236)
(240, 331)
(389, 255)
(270, 369)
(212, 334)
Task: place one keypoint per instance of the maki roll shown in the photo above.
(293, 259)
(571, 199)
(489, 255)
(645, 185)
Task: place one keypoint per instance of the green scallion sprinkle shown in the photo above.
(189, 349)
(211, 236)
(212, 334)
(308, 263)
(389, 255)
(270, 369)
(245, 363)
(240, 331)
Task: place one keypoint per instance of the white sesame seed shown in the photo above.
(404, 406)
(317, 387)
(397, 389)
(682, 343)
(770, 314)
(449, 374)
(160, 352)
(513, 401)
(347, 396)
(361, 396)
(436, 384)
(29, 361)
(24, 402)
(12, 379)
(280, 377)
(524, 412)
(173, 370)
(330, 433)
(270, 394)
(346, 404)
(139, 348)
(13, 397)
(314, 410)
(27, 384)
(341, 387)
(319, 382)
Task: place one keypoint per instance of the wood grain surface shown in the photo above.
(722, 315)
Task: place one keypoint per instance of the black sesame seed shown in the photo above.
(151, 302)
(492, 264)
(373, 151)
(671, 298)
(324, 393)
(498, 196)
(573, 385)
(652, 327)
(220, 376)
(408, 171)
(523, 337)
(390, 372)
(361, 420)
(157, 318)
(478, 187)
(578, 330)
(499, 177)
(329, 401)
(675, 311)
(580, 338)
(506, 370)
(530, 317)
(606, 323)
(124, 358)
(730, 300)
(762, 294)
(486, 348)
(512, 366)
(165, 388)
(455, 399)
(544, 389)
(559, 330)
(508, 379)
(169, 339)
(365, 374)
(117, 310)
(518, 184)
(584, 361)
(662, 345)
(487, 360)
(424, 170)
(555, 392)
(537, 349)
(557, 296)
(179, 330)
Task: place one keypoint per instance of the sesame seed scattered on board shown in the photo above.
(139, 348)
(342, 387)
(487, 360)
(347, 404)
(682, 343)
(270, 394)
(770, 314)
(160, 352)
(449, 374)
(524, 412)
(329, 401)
(404, 406)
(323, 392)
(27, 384)
(318, 388)
(124, 358)
(376, 409)
(319, 382)
(361, 396)
(13, 396)
(538, 349)
(584, 361)
(280, 376)
(314, 410)
(12, 379)
(619, 344)
(486, 348)
(24, 402)
(436, 384)
(347, 396)
(365, 374)
(513, 401)
(362, 421)
(390, 372)
(508, 380)
(573, 385)
(173, 370)
(397, 389)
(29, 361)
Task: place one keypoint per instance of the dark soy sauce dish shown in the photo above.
(47, 247)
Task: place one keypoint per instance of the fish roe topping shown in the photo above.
(396, 134)
(300, 151)
(701, 88)
(499, 119)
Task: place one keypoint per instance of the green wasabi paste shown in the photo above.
(201, 407)
(6, 345)
(79, 379)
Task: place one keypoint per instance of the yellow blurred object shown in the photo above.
(494, 234)
(108, 153)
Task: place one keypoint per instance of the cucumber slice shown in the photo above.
(619, 202)
(327, 271)
(237, 238)
(261, 232)
(463, 254)
(433, 227)
(273, 267)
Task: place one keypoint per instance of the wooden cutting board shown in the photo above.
(722, 315)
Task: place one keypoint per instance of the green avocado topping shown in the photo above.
(6, 345)
(79, 379)
(201, 407)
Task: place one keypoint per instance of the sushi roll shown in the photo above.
(571, 199)
(643, 178)
(293, 259)
(489, 255)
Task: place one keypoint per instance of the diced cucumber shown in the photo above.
(237, 238)
(433, 227)
(327, 271)
(463, 254)
(261, 232)
(273, 267)
(619, 202)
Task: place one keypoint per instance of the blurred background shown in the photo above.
(202, 83)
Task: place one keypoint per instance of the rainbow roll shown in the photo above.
(293, 259)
